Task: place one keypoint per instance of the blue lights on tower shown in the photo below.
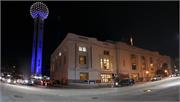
(39, 12)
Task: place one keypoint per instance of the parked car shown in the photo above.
(155, 78)
(125, 82)
(172, 75)
(46, 83)
(29, 82)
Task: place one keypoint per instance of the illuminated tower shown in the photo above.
(39, 12)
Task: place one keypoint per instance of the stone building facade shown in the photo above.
(79, 59)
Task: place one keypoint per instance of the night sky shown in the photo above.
(153, 25)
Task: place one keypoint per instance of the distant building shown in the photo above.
(79, 58)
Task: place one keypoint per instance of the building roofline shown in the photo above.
(116, 43)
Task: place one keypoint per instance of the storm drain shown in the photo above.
(17, 96)
(94, 97)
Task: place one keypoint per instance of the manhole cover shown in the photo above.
(17, 96)
(94, 97)
(148, 90)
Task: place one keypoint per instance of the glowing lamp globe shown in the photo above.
(40, 10)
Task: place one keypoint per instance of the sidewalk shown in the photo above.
(92, 86)
(86, 86)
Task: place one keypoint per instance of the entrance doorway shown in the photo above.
(135, 76)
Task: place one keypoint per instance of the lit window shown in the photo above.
(151, 65)
(82, 59)
(59, 53)
(84, 76)
(101, 63)
(106, 63)
(80, 48)
(84, 49)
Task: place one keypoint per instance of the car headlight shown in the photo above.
(21, 81)
(26, 81)
(3, 79)
(9, 80)
(32, 81)
(14, 81)
(116, 83)
(18, 81)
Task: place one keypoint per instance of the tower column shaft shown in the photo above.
(39, 47)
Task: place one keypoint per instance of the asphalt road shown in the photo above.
(166, 90)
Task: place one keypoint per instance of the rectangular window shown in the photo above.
(106, 52)
(84, 76)
(82, 49)
(106, 63)
(143, 59)
(133, 66)
(82, 59)
(133, 61)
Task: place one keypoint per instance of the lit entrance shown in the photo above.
(135, 76)
(84, 76)
(106, 78)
